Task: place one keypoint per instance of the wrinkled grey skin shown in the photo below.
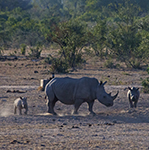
(133, 96)
(20, 103)
(72, 91)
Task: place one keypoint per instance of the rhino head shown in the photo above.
(23, 101)
(104, 97)
(133, 93)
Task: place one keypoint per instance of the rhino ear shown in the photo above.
(137, 89)
(100, 82)
(129, 88)
(20, 97)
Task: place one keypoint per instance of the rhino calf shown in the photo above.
(19, 104)
(133, 96)
(72, 91)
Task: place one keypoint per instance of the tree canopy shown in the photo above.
(111, 28)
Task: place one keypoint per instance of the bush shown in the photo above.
(147, 70)
(35, 52)
(145, 83)
(59, 66)
(48, 60)
(109, 64)
(1, 51)
(23, 49)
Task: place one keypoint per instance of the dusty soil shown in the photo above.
(117, 127)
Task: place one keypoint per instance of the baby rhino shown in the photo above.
(20, 103)
(133, 96)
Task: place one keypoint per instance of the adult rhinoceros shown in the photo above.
(72, 91)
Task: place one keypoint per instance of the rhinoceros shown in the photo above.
(19, 104)
(133, 96)
(73, 91)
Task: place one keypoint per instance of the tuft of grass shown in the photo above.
(125, 73)
(40, 88)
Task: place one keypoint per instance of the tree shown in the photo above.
(75, 7)
(23, 29)
(48, 8)
(124, 36)
(71, 36)
(143, 50)
(10, 5)
(99, 42)
(4, 31)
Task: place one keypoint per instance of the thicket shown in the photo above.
(145, 83)
(110, 29)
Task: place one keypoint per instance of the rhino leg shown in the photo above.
(26, 109)
(131, 104)
(77, 104)
(15, 110)
(135, 104)
(90, 104)
(51, 105)
(20, 111)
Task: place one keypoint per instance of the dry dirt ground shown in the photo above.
(117, 127)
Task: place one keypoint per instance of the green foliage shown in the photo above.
(35, 52)
(125, 37)
(10, 5)
(59, 66)
(147, 70)
(4, 31)
(109, 64)
(99, 40)
(23, 29)
(71, 36)
(23, 49)
(145, 83)
(48, 60)
(114, 28)
(1, 52)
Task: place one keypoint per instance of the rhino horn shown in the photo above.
(104, 82)
(114, 97)
(101, 83)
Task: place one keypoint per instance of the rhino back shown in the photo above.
(67, 90)
(17, 102)
(64, 89)
(86, 89)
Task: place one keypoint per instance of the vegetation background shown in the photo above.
(110, 29)
(105, 39)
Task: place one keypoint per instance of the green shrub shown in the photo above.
(35, 52)
(23, 49)
(48, 60)
(1, 51)
(147, 70)
(145, 83)
(59, 66)
(109, 64)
